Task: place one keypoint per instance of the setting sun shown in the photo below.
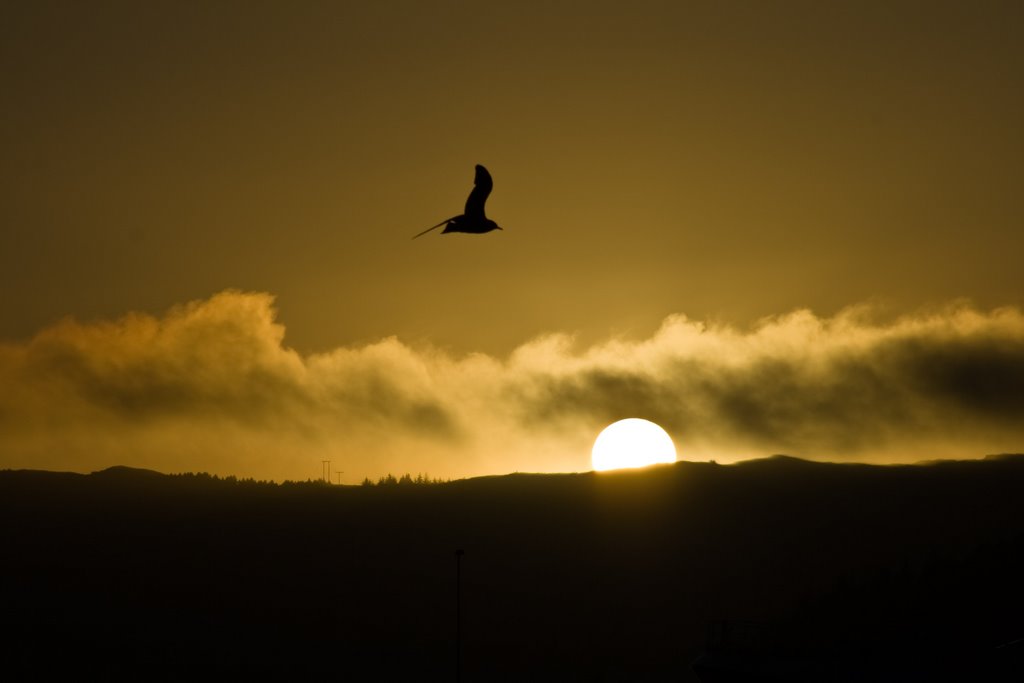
(632, 442)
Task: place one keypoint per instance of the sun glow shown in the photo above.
(632, 442)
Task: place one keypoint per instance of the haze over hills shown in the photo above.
(612, 576)
(755, 227)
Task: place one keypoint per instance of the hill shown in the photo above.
(630, 575)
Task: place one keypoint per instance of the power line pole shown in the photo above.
(325, 471)
(339, 473)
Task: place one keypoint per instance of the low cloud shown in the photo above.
(211, 386)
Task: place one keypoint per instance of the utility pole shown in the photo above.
(339, 473)
(325, 471)
(458, 615)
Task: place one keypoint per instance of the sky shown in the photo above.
(770, 227)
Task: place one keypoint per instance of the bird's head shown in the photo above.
(491, 225)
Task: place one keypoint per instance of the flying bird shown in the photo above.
(473, 220)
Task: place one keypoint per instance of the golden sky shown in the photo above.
(222, 172)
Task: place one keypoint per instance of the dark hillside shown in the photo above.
(129, 574)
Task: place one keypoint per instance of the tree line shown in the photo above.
(405, 480)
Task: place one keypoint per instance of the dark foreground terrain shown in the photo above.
(776, 569)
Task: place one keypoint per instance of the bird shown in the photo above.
(473, 220)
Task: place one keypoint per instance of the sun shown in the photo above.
(632, 442)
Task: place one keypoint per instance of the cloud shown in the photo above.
(211, 385)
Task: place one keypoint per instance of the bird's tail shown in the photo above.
(446, 220)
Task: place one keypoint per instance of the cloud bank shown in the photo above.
(211, 386)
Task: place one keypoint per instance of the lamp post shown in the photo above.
(458, 614)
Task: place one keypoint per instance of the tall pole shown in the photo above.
(458, 615)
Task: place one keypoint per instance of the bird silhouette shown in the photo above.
(473, 220)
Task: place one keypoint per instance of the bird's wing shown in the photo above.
(482, 185)
(435, 227)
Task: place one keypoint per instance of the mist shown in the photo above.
(211, 385)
